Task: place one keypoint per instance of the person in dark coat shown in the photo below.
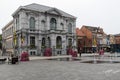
(80, 52)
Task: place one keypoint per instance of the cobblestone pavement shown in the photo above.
(59, 70)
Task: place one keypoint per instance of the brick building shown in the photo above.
(94, 38)
(81, 37)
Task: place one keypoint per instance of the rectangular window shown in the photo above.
(17, 23)
(32, 53)
(32, 40)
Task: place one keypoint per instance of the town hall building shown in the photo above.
(36, 27)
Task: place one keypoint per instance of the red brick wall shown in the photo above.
(88, 39)
(117, 39)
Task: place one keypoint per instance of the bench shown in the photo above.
(2, 60)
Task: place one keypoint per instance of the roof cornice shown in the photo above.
(7, 24)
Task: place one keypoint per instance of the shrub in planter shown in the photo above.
(24, 56)
(72, 52)
(48, 52)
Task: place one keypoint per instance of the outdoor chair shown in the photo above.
(9, 60)
(13, 60)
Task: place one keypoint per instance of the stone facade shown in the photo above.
(38, 27)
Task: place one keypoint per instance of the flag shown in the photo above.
(94, 42)
(22, 39)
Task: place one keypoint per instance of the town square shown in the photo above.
(37, 69)
(44, 41)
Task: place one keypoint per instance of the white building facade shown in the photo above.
(37, 27)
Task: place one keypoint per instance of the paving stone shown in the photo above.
(59, 70)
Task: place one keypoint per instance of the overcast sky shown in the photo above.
(98, 13)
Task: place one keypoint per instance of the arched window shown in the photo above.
(32, 22)
(58, 42)
(70, 42)
(43, 42)
(69, 28)
(53, 24)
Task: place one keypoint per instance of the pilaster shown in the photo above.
(22, 19)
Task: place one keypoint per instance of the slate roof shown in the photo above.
(37, 7)
(7, 25)
(42, 8)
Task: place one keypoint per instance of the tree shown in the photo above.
(1, 41)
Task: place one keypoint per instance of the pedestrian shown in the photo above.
(101, 53)
(80, 52)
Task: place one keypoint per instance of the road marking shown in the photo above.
(116, 71)
(108, 71)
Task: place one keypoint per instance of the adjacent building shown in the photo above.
(117, 38)
(7, 38)
(81, 38)
(116, 45)
(36, 27)
(94, 38)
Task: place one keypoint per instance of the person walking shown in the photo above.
(80, 52)
(101, 53)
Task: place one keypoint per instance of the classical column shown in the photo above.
(64, 44)
(39, 46)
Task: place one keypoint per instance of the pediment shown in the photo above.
(54, 11)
